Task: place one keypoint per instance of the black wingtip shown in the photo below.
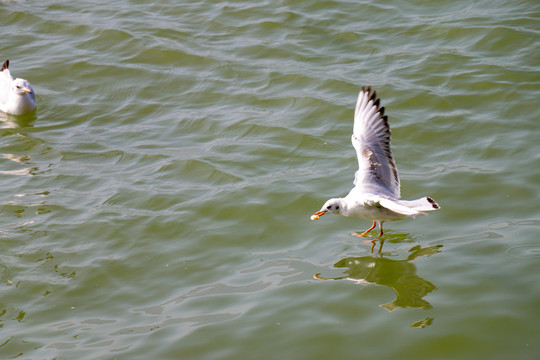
(371, 95)
(433, 203)
(5, 65)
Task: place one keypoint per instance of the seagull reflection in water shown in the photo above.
(399, 275)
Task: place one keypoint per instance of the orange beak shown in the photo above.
(317, 215)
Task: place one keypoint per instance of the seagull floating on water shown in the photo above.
(376, 193)
(16, 95)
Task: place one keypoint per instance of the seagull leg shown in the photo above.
(380, 226)
(365, 232)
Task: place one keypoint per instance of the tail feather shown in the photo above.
(422, 204)
(399, 207)
(410, 207)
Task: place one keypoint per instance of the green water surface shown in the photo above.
(157, 205)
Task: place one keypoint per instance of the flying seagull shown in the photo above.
(376, 192)
(16, 95)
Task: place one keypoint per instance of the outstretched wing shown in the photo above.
(371, 139)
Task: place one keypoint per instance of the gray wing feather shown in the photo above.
(371, 139)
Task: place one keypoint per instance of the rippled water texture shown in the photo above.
(157, 204)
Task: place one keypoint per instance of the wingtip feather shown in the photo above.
(433, 203)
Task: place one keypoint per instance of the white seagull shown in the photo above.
(376, 193)
(16, 95)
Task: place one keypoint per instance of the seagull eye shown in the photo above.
(329, 207)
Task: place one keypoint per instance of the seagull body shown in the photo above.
(376, 193)
(16, 95)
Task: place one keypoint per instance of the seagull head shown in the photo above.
(332, 206)
(21, 87)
